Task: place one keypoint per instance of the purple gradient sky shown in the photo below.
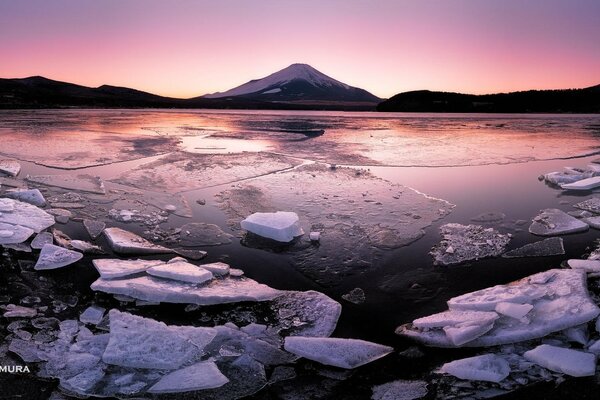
(187, 48)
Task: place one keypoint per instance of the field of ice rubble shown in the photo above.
(110, 255)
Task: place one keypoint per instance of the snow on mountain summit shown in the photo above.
(271, 83)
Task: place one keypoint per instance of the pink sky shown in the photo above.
(188, 48)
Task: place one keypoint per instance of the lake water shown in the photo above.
(476, 163)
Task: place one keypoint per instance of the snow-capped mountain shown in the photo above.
(298, 83)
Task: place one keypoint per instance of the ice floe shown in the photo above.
(181, 271)
(52, 257)
(41, 239)
(31, 196)
(584, 184)
(199, 376)
(342, 353)
(282, 226)
(462, 243)
(10, 167)
(548, 247)
(116, 268)
(94, 228)
(124, 242)
(14, 234)
(18, 213)
(559, 298)
(84, 183)
(486, 367)
(400, 390)
(552, 222)
(592, 205)
(559, 359)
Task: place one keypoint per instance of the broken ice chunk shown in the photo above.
(400, 390)
(547, 247)
(584, 184)
(464, 333)
(61, 215)
(202, 234)
(342, 353)
(116, 268)
(15, 212)
(138, 342)
(282, 226)
(94, 228)
(455, 317)
(14, 234)
(10, 167)
(203, 375)
(14, 311)
(314, 236)
(217, 268)
(513, 310)
(181, 271)
(86, 247)
(126, 242)
(592, 205)
(52, 257)
(92, 315)
(467, 242)
(594, 222)
(566, 361)
(31, 196)
(589, 266)
(41, 239)
(487, 367)
(552, 221)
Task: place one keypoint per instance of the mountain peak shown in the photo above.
(297, 82)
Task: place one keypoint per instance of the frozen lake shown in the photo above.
(377, 186)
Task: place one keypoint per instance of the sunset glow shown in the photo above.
(189, 48)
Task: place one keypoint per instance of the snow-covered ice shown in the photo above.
(342, 353)
(559, 359)
(462, 243)
(199, 376)
(590, 266)
(139, 342)
(513, 310)
(552, 222)
(548, 247)
(217, 268)
(181, 271)
(125, 242)
(52, 257)
(31, 196)
(559, 298)
(282, 226)
(486, 367)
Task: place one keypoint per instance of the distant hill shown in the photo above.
(298, 83)
(532, 101)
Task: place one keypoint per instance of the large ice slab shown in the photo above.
(462, 243)
(125, 242)
(83, 182)
(548, 247)
(486, 367)
(181, 271)
(18, 213)
(138, 342)
(14, 234)
(552, 222)
(559, 359)
(559, 298)
(10, 167)
(590, 266)
(31, 196)
(52, 257)
(147, 288)
(202, 375)
(342, 353)
(584, 184)
(282, 226)
(116, 268)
